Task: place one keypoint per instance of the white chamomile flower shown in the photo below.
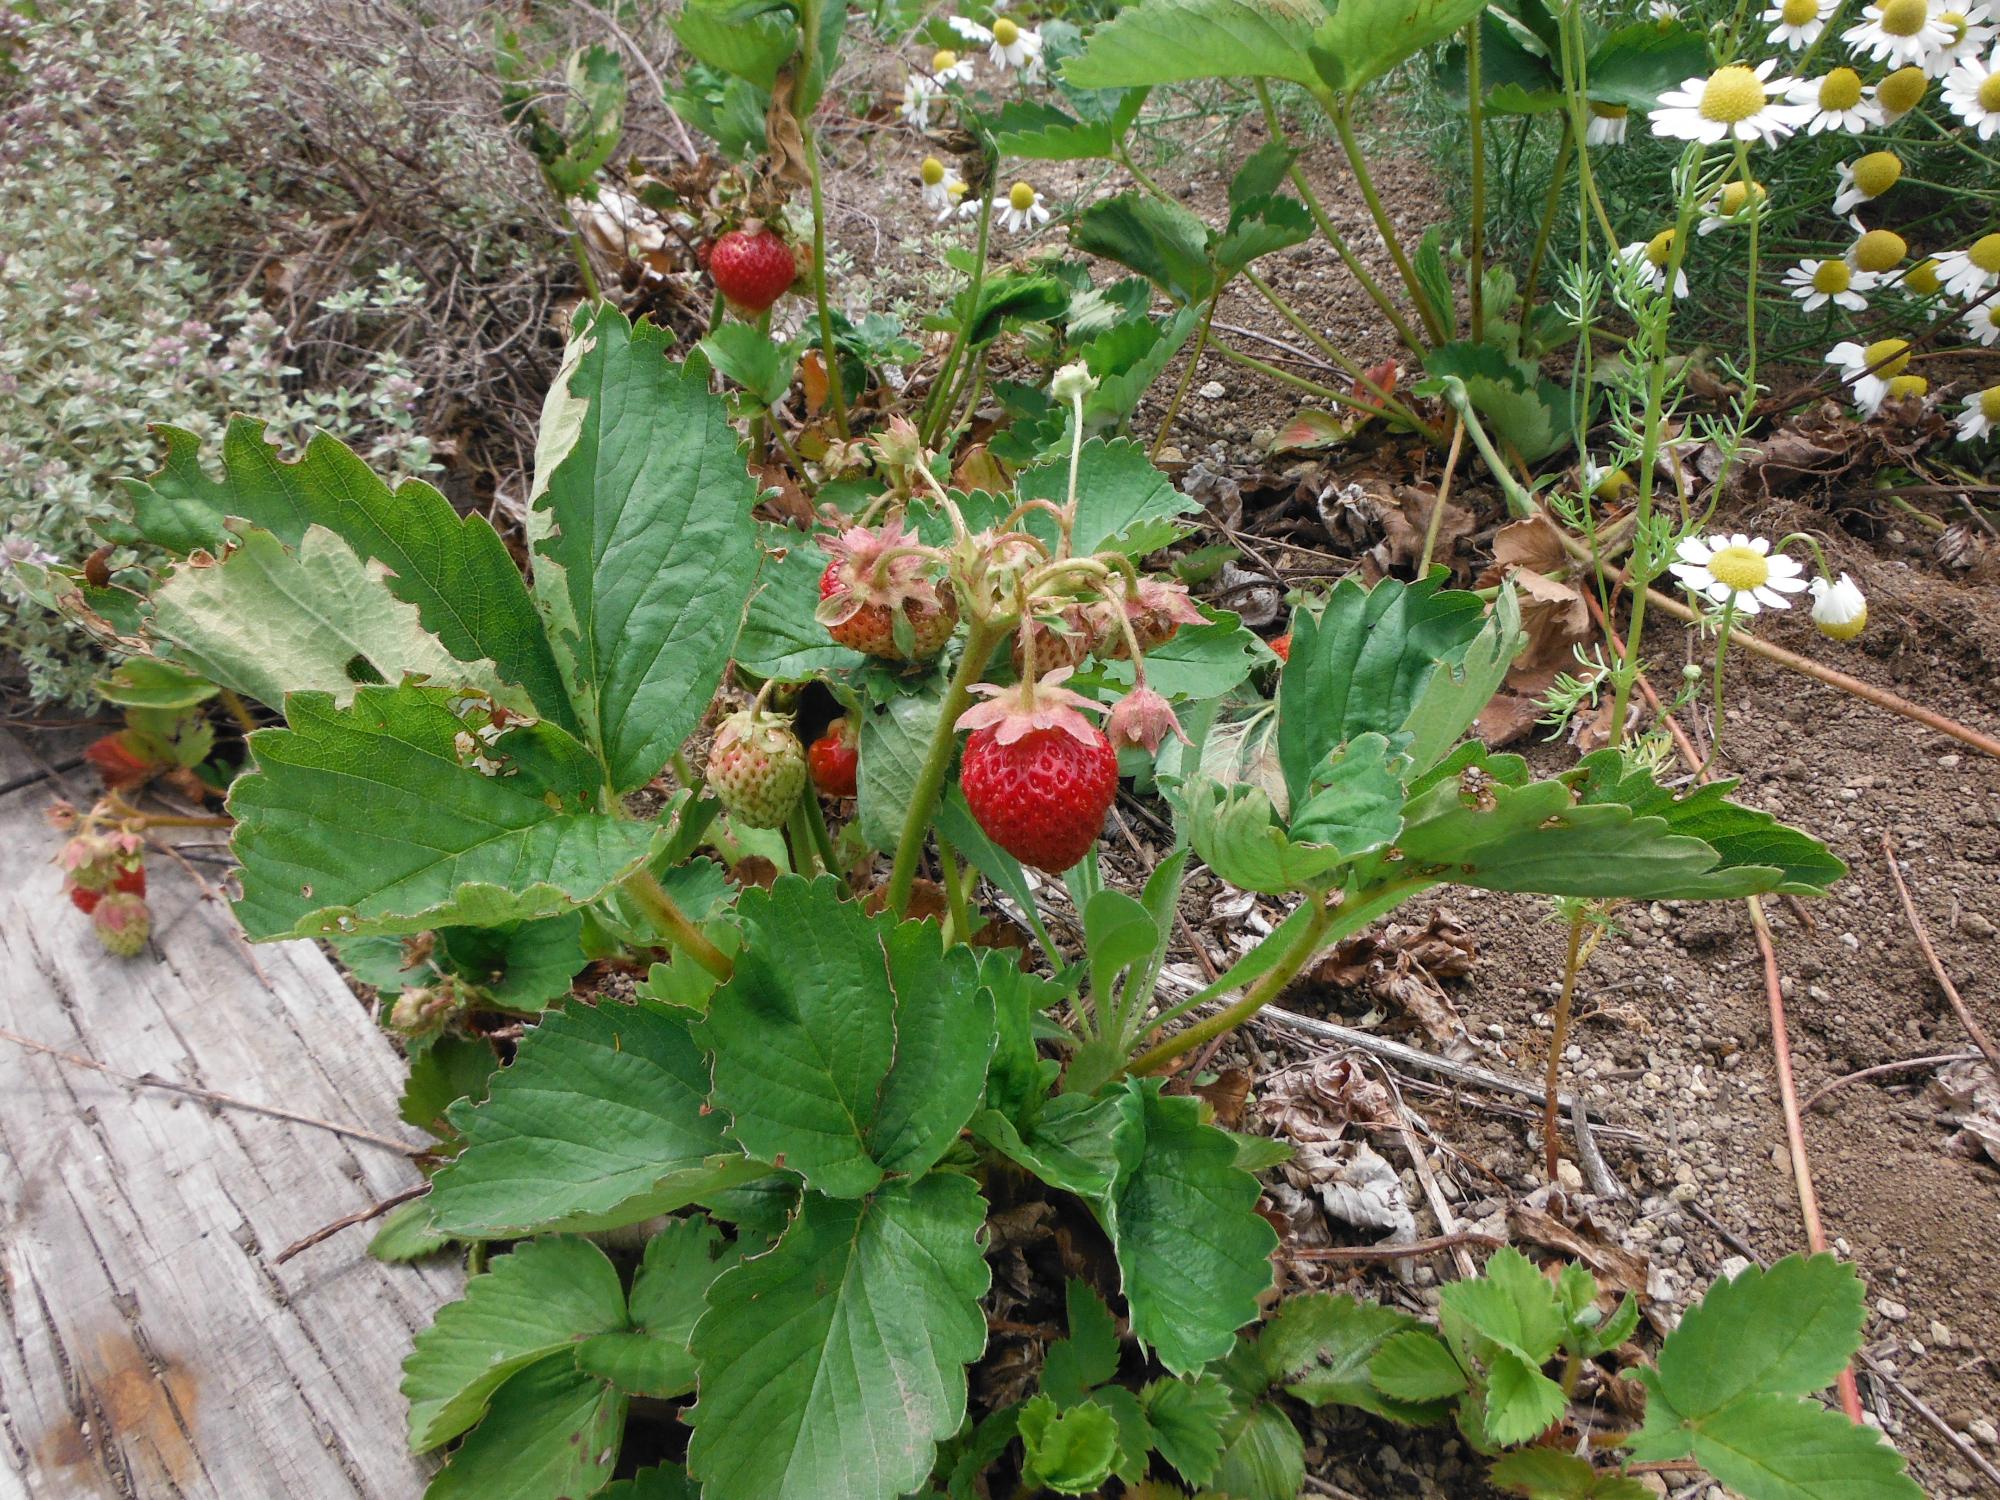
(1899, 93)
(1869, 369)
(1663, 10)
(1920, 283)
(1840, 610)
(1607, 124)
(1651, 257)
(1728, 206)
(1982, 323)
(1972, 92)
(1971, 273)
(1818, 282)
(1898, 32)
(941, 188)
(1971, 27)
(1737, 570)
(1732, 103)
(1979, 415)
(1876, 251)
(1009, 44)
(1021, 211)
(1866, 178)
(1835, 102)
(1909, 388)
(1798, 23)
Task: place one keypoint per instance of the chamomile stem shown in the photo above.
(1550, 205)
(1475, 124)
(981, 638)
(937, 408)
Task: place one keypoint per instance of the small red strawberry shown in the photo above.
(873, 575)
(131, 881)
(84, 900)
(1281, 646)
(752, 267)
(1038, 776)
(123, 924)
(756, 767)
(835, 757)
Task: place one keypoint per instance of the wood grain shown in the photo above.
(149, 1347)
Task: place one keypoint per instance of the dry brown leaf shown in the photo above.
(1226, 1096)
(1612, 1264)
(1402, 965)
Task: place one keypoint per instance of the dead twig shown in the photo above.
(1937, 1423)
(1883, 1070)
(1400, 1251)
(348, 1221)
(1589, 1158)
(209, 1096)
(1972, 1027)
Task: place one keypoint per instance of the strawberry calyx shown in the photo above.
(1142, 719)
(1028, 706)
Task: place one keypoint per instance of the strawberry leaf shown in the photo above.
(1069, 1451)
(1124, 504)
(653, 1358)
(1171, 41)
(538, 1300)
(601, 1121)
(833, 1365)
(397, 815)
(1192, 1250)
(644, 549)
(848, 1046)
(552, 1432)
(1416, 1367)
(1787, 1331)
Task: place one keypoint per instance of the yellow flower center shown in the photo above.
(1735, 93)
(1989, 94)
(1905, 17)
(1955, 19)
(1877, 172)
(1840, 89)
(1005, 32)
(1798, 12)
(1607, 111)
(1880, 250)
(1021, 197)
(1903, 90)
(944, 60)
(1905, 386)
(1989, 403)
(1993, 314)
(1740, 568)
(1736, 195)
(1832, 276)
(1887, 358)
(1985, 254)
(932, 171)
(1659, 247)
(1923, 279)
(1613, 485)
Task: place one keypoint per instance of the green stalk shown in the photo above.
(1286, 377)
(1550, 205)
(798, 834)
(1327, 924)
(1649, 450)
(670, 919)
(937, 407)
(1391, 407)
(1333, 236)
(834, 393)
(980, 641)
(1475, 124)
(960, 928)
(1187, 377)
(816, 828)
(1520, 504)
(575, 237)
(1383, 224)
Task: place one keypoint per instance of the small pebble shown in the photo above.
(1894, 1311)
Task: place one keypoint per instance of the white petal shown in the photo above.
(1719, 591)
(1692, 549)
(1771, 600)
(1784, 567)
(1786, 585)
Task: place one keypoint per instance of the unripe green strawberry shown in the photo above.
(123, 923)
(757, 767)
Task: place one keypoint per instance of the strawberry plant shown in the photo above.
(763, 1181)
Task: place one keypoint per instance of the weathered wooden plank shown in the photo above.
(149, 1348)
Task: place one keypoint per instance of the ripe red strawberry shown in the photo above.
(756, 767)
(752, 267)
(1038, 776)
(84, 900)
(1281, 646)
(835, 758)
(873, 575)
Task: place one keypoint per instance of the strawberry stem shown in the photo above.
(670, 919)
(981, 639)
